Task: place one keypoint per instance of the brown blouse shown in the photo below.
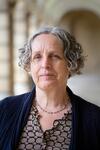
(57, 138)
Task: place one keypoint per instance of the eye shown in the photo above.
(56, 56)
(36, 57)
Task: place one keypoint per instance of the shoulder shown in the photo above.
(12, 101)
(88, 115)
(82, 103)
(83, 107)
(86, 111)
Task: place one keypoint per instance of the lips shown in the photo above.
(46, 75)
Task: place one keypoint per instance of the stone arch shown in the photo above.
(59, 8)
(85, 26)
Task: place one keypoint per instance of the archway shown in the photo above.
(85, 26)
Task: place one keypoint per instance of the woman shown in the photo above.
(50, 117)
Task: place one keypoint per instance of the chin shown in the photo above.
(46, 86)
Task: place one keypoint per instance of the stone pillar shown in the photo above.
(20, 34)
(32, 24)
(5, 88)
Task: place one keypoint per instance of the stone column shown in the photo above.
(21, 83)
(5, 88)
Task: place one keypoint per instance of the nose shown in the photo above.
(45, 62)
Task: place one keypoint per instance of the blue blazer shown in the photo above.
(14, 112)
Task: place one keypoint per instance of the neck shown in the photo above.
(52, 99)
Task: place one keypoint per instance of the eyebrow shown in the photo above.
(38, 51)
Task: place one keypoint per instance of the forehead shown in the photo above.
(47, 41)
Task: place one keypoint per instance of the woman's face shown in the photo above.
(48, 66)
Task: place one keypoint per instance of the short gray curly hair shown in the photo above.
(73, 51)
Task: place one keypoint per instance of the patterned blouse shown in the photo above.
(56, 138)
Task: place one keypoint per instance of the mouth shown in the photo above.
(47, 76)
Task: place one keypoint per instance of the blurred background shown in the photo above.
(18, 21)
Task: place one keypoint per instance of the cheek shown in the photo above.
(65, 72)
(34, 72)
